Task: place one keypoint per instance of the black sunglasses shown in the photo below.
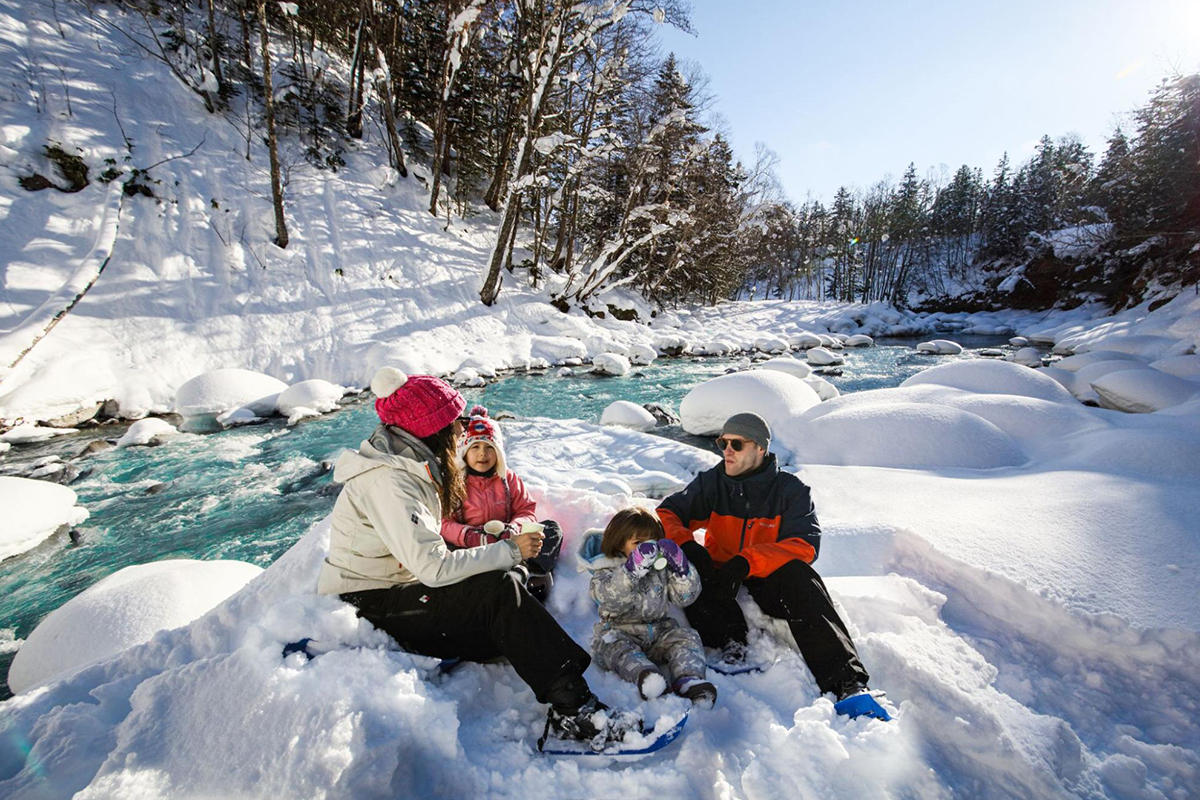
(736, 444)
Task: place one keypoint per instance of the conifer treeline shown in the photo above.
(563, 118)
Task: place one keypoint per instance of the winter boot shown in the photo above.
(539, 581)
(592, 722)
(699, 691)
(734, 653)
(857, 700)
(651, 683)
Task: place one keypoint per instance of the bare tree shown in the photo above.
(281, 234)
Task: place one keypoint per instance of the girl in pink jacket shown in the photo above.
(497, 503)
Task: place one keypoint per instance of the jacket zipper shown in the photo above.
(745, 517)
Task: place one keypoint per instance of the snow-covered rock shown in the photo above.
(146, 431)
(642, 354)
(859, 340)
(611, 364)
(1027, 357)
(771, 344)
(901, 435)
(1018, 341)
(33, 510)
(221, 390)
(1076, 363)
(628, 415)
(804, 340)
(1082, 378)
(824, 389)
(822, 357)
(1143, 390)
(28, 433)
(123, 610)
(1187, 367)
(940, 347)
(992, 352)
(792, 366)
(468, 377)
(310, 398)
(775, 396)
(669, 344)
(557, 349)
(564, 372)
(993, 377)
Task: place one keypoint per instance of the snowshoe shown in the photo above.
(863, 702)
(593, 724)
(699, 691)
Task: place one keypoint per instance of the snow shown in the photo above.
(146, 431)
(29, 433)
(611, 364)
(123, 610)
(792, 366)
(310, 398)
(771, 344)
(859, 340)
(1142, 390)
(822, 357)
(775, 396)
(221, 390)
(642, 354)
(824, 389)
(628, 415)
(940, 347)
(993, 377)
(1027, 357)
(33, 511)
(1179, 366)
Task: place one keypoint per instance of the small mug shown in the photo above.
(532, 527)
(494, 527)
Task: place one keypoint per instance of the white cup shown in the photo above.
(494, 526)
(532, 527)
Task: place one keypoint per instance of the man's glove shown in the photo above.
(728, 578)
(676, 561)
(701, 560)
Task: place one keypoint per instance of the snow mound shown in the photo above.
(1076, 363)
(993, 377)
(125, 609)
(804, 340)
(33, 510)
(771, 344)
(824, 389)
(792, 366)
(29, 433)
(1148, 346)
(611, 364)
(641, 354)
(628, 415)
(1018, 341)
(822, 357)
(859, 340)
(556, 349)
(940, 347)
(1081, 383)
(222, 390)
(904, 436)
(1143, 390)
(775, 396)
(145, 431)
(310, 398)
(1187, 367)
(1027, 357)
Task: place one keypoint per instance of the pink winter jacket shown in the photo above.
(488, 499)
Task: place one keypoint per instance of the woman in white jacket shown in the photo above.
(387, 557)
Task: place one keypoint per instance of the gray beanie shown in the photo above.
(750, 426)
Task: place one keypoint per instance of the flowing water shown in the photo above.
(249, 493)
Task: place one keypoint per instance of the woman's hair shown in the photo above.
(453, 488)
(629, 523)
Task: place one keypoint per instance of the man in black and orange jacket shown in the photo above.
(761, 531)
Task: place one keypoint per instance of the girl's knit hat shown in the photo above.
(482, 428)
(419, 404)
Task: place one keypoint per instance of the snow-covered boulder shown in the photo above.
(792, 366)
(775, 396)
(1076, 363)
(557, 349)
(641, 354)
(310, 398)
(1143, 390)
(993, 377)
(804, 340)
(33, 510)
(146, 431)
(824, 389)
(1187, 367)
(123, 610)
(221, 390)
(1027, 357)
(611, 364)
(822, 357)
(233, 418)
(564, 372)
(1148, 346)
(903, 436)
(670, 344)
(940, 347)
(469, 377)
(1081, 385)
(859, 340)
(29, 433)
(771, 344)
(830, 342)
(1018, 341)
(628, 415)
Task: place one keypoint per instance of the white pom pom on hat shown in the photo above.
(387, 380)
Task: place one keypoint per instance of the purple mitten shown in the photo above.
(642, 558)
(676, 561)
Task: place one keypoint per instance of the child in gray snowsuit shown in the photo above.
(637, 575)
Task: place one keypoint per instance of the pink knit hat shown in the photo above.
(482, 428)
(421, 404)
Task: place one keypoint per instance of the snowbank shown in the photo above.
(123, 610)
(775, 396)
(993, 377)
(33, 511)
(628, 415)
(310, 398)
(29, 433)
(146, 431)
(221, 390)
(1142, 390)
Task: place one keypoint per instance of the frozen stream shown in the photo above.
(249, 493)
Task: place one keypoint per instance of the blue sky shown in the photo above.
(847, 93)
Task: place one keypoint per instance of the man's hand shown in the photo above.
(701, 560)
(728, 578)
(530, 544)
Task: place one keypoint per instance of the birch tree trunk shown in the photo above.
(281, 234)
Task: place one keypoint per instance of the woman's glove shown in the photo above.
(676, 561)
(728, 579)
(645, 556)
(474, 536)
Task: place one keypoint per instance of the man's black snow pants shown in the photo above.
(478, 619)
(796, 593)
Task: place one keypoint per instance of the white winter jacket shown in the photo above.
(387, 522)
